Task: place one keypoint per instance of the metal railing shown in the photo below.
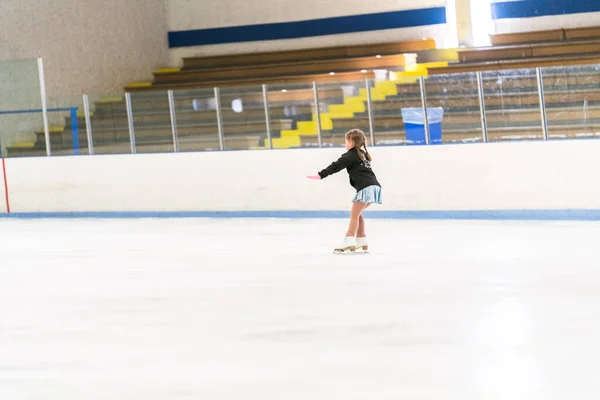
(454, 108)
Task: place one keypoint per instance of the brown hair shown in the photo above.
(359, 139)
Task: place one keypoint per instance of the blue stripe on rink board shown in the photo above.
(539, 8)
(309, 28)
(514, 215)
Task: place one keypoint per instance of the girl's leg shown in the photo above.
(361, 227)
(355, 215)
(361, 224)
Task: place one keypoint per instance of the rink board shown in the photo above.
(529, 180)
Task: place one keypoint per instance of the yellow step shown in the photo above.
(307, 127)
(285, 143)
(422, 69)
(168, 70)
(81, 113)
(326, 123)
(110, 100)
(356, 103)
(351, 106)
(296, 133)
(22, 145)
(409, 78)
(388, 88)
(339, 114)
(374, 96)
(139, 84)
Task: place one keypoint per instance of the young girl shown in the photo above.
(368, 190)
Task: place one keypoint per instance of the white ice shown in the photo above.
(261, 309)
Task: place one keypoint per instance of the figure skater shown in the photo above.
(357, 162)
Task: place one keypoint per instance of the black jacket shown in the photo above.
(361, 174)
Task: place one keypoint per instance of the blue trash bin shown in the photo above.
(414, 125)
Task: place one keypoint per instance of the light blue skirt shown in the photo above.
(370, 194)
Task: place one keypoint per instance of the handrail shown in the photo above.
(348, 105)
(33, 111)
(74, 121)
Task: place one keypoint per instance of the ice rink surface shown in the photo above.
(262, 309)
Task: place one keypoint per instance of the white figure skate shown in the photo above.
(348, 245)
(362, 244)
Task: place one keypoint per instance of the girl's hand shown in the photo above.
(314, 177)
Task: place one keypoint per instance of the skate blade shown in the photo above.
(350, 251)
(344, 250)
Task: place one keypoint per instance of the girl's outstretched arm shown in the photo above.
(336, 166)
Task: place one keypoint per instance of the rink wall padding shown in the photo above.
(516, 180)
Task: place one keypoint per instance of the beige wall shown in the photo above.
(547, 22)
(202, 14)
(88, 46)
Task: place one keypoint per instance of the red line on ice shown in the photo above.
(5, 186)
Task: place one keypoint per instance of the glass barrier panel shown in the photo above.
(453, 110)
(389, 97)
(344, 107)
(110, 129)
(152, 122)
(292, 116)
(197, 125)
(512, 105)
(21, 118)
(68, 133)
(244, 118)
(572, 101)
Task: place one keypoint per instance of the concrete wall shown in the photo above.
(559, 175)
(88, 46)
(189, 15)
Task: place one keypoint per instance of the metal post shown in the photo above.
(424, 105)
(44, 105)
(173, 121)
(130, 122)
(370, 111)
(219, 117)
(267, 115)
(75, 130)
(88, 124)
(484, 128)
(540, 82)
(318, 113)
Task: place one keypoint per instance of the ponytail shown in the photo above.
(367, 152)
(358, 138)
(360, 154)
